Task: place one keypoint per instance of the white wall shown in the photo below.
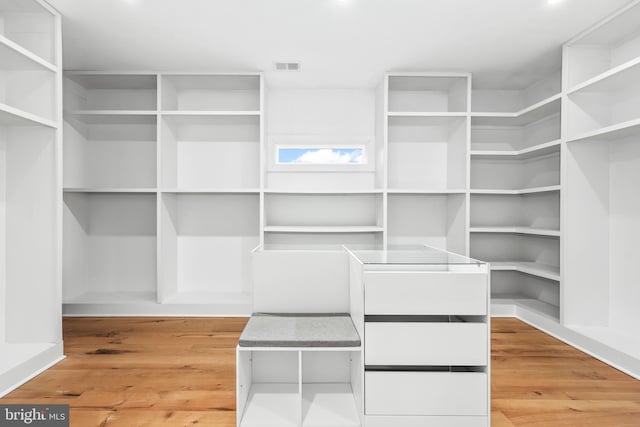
(624, 234)
(321, 117)
(322, 112)
(3, 234)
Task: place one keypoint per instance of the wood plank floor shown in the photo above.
(181, 371)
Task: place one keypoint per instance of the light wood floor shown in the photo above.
(176, 371)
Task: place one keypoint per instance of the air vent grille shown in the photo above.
(287, 66)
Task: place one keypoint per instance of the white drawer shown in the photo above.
(425, 292)
(457, 344)
(426, 393)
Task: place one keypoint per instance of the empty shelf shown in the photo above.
(533, 268)
(239, 298)
(113, 297)
(533, 190)
(12, 116)
(329, 405)
(529, 304)
(516, 230)
(545, 108)
(272, 405)
(321, 229)
(609, 133)
(15, 57)
(526, 153)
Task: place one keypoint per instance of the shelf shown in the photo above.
(539, 172)
(516, 230)
(322, 229)
(203, 297)
(425, 93)
(426, 114)
(209, 113)
(329, 405)
(610, 133)
(427, 152)
(15, 57)
(424, 191)
(533, 305)
(120, 297)
(110, 247)
(223, 93)
(533, 268)
(534, 190)
(108, 117)
(211, 191)
(526, 153)
(271, 404)
(437, 220)
(615, 79)
(203, 119)
(10, 116)
(526, 116)
(98, 80)
(327, 191)
(110, 190)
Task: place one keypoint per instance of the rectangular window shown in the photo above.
(318, 155)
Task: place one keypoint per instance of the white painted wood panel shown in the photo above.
(300, 281)
(426, 393)
(424, 343)
(425, 293)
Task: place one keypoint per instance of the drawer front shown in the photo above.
(426, 393)
(433, 293)
(457, 344)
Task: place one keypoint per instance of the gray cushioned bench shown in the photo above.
(299, 330)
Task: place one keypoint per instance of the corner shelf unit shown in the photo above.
(30, 190)
(515, 193)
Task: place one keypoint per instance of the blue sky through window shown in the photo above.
(321, 156)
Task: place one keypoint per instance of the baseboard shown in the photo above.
(621, 361)
(30, 368)
(154, 310)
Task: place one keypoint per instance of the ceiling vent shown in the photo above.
(287, 66)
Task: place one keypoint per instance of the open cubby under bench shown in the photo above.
(298, 370)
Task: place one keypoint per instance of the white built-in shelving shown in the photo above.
(30, 190)
(295, 387)
(426, 137)
(161, 191)
(438, 220)
(206, 242)
(515, 153)
(210, 151)
(600, 176)
(109, 246)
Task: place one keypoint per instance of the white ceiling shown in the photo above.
(341, 43)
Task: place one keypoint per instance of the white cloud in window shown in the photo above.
(328, 156)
